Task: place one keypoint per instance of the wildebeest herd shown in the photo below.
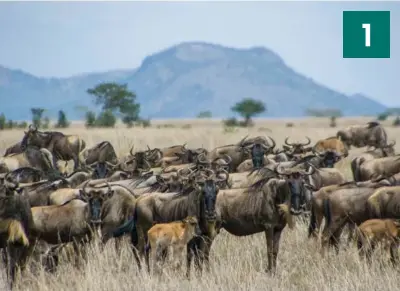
(248, 187)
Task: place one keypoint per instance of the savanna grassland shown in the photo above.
(236, 263)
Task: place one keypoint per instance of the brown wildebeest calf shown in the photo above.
(372, 231)
(175, 234)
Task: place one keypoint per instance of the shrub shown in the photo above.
(90, 119)
(106, 119)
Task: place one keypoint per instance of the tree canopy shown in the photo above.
(248, 108)
(116, 99)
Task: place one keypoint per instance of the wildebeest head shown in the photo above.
(102, 169)
(293, 149)
(137, 163)
(95, 198)
(172, 183)
(222, 163)
(295, 178)
(257, 155)
(192, 222)
(153, 155)
(328, 158)
(32, 137)
(202, 162)
(388, 150)
(209, 190)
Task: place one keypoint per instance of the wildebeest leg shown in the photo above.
(394, 255)
(269, 236)
(207, 248)
(192, 250)
(351, 229)
(75, 158)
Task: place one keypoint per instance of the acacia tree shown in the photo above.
(248, 108)
(116, 99)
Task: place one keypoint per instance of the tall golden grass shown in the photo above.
(237, 263)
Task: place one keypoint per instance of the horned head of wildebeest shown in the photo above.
(136, 163)
(202, 162)
(222, 163)
(95, 197)
(171, 183)
(296, 183)
(208, 190)
(258, 151)
(293, 149)
(153, 156)
(387, 150)
(328, 158)
(102, 169)
(32, 137)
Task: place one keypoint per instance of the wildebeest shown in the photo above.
(176, 235)
(26, 175)
(62, 147)
(15, 225)
(386, 151)
(376, 168)
(14, 149)
(371, 134)
(263, 207)
(101, 152)
(373, 231)
(75, 221)
(31, 157)
(321, 177)
(344, 206)
(168, 207)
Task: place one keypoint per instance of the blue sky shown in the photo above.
(53, 39)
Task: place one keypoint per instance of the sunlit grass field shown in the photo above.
(237, 263)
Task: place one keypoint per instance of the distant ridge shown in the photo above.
(181, 81)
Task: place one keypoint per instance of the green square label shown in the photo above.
(366, 34)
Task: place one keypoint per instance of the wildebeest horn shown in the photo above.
(180, 174)
(273, 143)
(223, 172)
(287, 142)
(243, 139)
(148, 148)
(111, 164)
(210, 172)
(84, 187)
(308, 141)
(228, 159)
(202, 158)
(147, 164)
(131, 151)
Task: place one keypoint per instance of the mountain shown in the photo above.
(183, 80)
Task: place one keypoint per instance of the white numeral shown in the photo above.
(367, 28)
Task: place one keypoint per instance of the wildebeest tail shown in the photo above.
(81, 151)
(15, 230)
(327, 211)
(313, 222)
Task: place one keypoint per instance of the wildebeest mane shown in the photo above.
(266, 174)
(180, 206)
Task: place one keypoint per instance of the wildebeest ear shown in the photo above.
(109, 194)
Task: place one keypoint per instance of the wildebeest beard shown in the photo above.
(329, 159)
(257, 156)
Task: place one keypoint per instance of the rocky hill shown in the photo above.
(184, 80)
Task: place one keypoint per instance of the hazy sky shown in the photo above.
(64, 39)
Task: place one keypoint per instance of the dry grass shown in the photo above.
(237, 263)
